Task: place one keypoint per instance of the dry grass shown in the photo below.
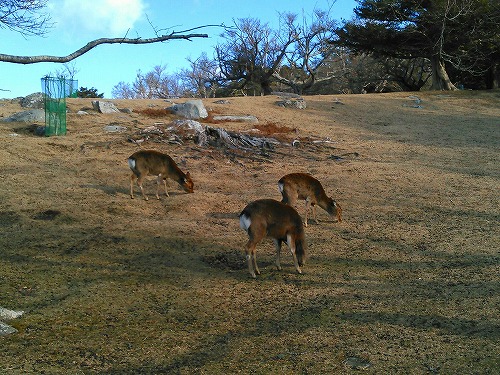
(407, 283)
(154, 112)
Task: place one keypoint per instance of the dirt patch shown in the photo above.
(407, 283)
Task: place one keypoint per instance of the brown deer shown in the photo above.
(295, 186)
(270, 218)
(150, 162)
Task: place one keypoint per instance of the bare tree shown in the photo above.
(68, 71)
(123, 90)
(308, 52)
(155, 84)
(251, 53)
(25, 16)
(201, 79)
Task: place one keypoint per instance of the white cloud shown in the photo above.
(110, 17)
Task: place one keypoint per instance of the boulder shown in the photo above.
(236, 118)
(34, 100)
(104, 107)
(192, 109)
(114, 128)
(188, 129)
(7, 314)
(5, 329)
(32, 115)
(10, 314)
(292, 103)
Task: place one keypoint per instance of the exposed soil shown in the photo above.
(407, 283)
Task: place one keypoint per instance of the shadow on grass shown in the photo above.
(455, 326)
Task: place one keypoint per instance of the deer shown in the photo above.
(295, 186)
(270, 218)
(151, 162)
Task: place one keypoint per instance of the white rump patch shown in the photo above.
(245, 222)
(281, 185)
(131, 163)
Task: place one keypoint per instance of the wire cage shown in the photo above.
(56, 90)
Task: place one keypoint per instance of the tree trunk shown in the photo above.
(493, 77)
(265, 85)
(440, 79)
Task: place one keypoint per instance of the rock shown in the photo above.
(35, 100)
(357, 363)
(32, 115)
(248, 118)
(5, 329)
(222, 101)
(104, 107)
(39, 130)
(9, 314)
(189, 129)
(186, 125)
(6, 314)
(114, 128)
(192, 109)
(292, 103)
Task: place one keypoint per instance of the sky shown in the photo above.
(77, 22)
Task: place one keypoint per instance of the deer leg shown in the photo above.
(139, 183)
(308, 203)
(291, 244)
(250, 253)
(277, 243)
(165, 185)
(132, 180)
(315, 213)
(159, 180)
(255, 267)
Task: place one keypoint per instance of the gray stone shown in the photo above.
(192, 109)
(292, 103)
(32, 115)
(114, 128)
(104, 107)
(5, 329)
(7, 314)
(189, 129)
(34, 100)
(247, 118)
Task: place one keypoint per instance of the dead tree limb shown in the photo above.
(93, 44)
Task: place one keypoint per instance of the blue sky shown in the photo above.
(79, 21)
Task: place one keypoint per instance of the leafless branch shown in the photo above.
(93, 44)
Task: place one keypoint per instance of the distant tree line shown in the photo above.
(388, 45)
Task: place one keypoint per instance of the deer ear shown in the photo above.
(188, 175)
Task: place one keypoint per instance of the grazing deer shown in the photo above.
(150, 162)
(295, 186)
(270, 218)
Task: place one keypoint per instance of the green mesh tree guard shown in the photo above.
(56, 90)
